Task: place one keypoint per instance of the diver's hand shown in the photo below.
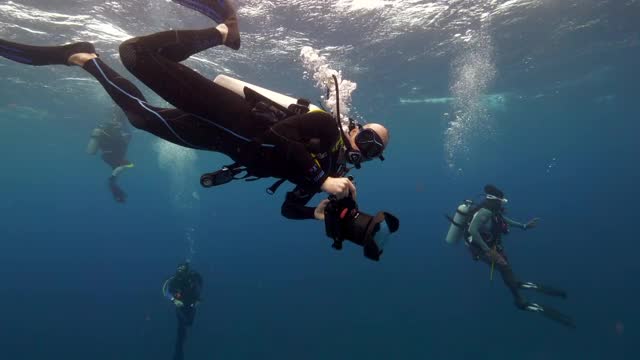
(178, 303)
(494, 256)
(531, 224)
(340, 187)
(318, 213)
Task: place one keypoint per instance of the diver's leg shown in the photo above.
(172, 125)
(154, 59)
(110, 160)
(42, 55)
(174, 45)
(168, 124)
(509, 279)
(189, 316)
(163, 123)
(118, 194)
(181, 336)
(544, 289)
(179, 45)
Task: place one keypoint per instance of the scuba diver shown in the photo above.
(183, 289)
(482, 228)
(112, 139)
(298, 143)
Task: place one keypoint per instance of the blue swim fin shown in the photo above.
(216, 10)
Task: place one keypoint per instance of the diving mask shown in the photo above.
(492, 197)
(369, 143)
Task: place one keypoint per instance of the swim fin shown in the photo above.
(551, 313)
(216, 10)
(43, 55)
(544, 289)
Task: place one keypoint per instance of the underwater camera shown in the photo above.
(344, 221)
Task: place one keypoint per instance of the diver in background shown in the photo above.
(487, 226)
(183, 289)
(112, 139)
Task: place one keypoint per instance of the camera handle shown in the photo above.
(337, 242)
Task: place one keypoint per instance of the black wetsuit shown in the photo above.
(113, 143)
(207, 116)
(187, 289)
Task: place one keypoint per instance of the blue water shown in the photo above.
(82, 275)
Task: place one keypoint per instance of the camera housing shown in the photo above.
(344, 221)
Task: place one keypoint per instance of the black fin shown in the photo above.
(544, 289)
(43, 55)
(555, 315)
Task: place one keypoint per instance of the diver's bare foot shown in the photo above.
(80, 59)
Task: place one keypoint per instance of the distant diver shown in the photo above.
(482, 227)
(183, 289)
(112, 139)
(296, 142)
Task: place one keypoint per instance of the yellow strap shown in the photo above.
(335, 148)
(338, 144)
(313, 156)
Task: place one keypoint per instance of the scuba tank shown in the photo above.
(240, 87)
(459, 222)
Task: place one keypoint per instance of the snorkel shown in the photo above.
(356, 156)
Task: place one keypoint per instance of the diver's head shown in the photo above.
(369, 140)
(182, 269)
(495, 196)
